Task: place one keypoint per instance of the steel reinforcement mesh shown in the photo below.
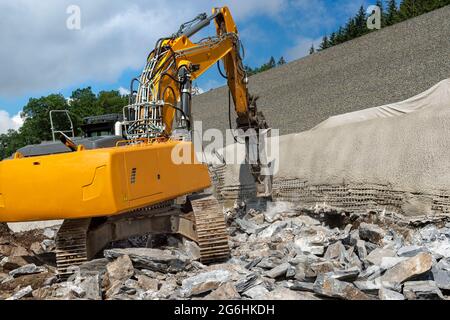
(345, 197)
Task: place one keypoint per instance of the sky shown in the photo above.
(40, 55)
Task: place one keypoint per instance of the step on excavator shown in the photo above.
(114, 187)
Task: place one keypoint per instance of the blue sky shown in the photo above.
(41, 56)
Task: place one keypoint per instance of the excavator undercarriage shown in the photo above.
(199, 219)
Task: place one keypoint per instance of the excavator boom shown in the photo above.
(111, 188)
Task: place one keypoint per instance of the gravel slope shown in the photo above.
(386, 66)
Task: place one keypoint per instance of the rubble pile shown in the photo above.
(278, 253)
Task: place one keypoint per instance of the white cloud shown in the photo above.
(302, 47)
(7, 122)
(123, 91)
(40, 53)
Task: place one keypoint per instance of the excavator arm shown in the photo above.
(163, 101)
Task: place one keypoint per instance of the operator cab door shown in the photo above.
(143, 174)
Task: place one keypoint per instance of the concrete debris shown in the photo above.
(376, 256)
(286, 294)
(256, 293)
(152, 259)
(336, 251)
(279, 271)
(120, 269)
(204, 282)
(49, 233)
(21, 293)
(390, 262)
(386, 294)
(327, 286)
(371, 232)
(408, 269)
(147, 283)
(272, 230)
(26, 270)
(226, 291)
(294, 257)
(302, 286)
(422, 290)
(411, 251)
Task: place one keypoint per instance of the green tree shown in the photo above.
(36, 127)
(361, 22)
(111, 102)
(391, 15)
(340, 36)
(312, 49)
(325, 43)
(281, 61)
(10, 142)
(380, 4)
(332, 41)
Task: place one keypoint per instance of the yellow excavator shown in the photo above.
(111, 188)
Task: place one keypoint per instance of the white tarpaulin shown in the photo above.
(396, 155)
(437, 96)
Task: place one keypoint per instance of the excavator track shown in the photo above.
(212, 234)
(71, 246)
(78, 241)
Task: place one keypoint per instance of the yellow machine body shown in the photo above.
(96, 183)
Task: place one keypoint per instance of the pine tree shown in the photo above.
(361, 22)
(340, 36)
(325, 43)
(312, 49)
(351, 31)
(281, 61)
(272, 63)
(333, 39)
(391, 16)
(379, 4)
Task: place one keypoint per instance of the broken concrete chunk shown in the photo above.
(328, 286)
(302, 286)
(442, 278)
(88, 287)
(371, 232)
(273, 229)
(286, 294)
(408, 269)
(226, 291)
(377, 255)
(348, 275)
(152, 259)
(278, 271)
(246, 282)
(48, 245)
(320, 268)
(204, 282)
(387, 294)
(256, 292)
(49, 233)
(422, 290)
(361, 249)
(191, 249)
(147, 283)
(120, 269)
(411, 251)
(368, 286)
(390, 262)
(335, 251)
(22, 293)
(248, 227)
(26, 270)
(308, 248)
